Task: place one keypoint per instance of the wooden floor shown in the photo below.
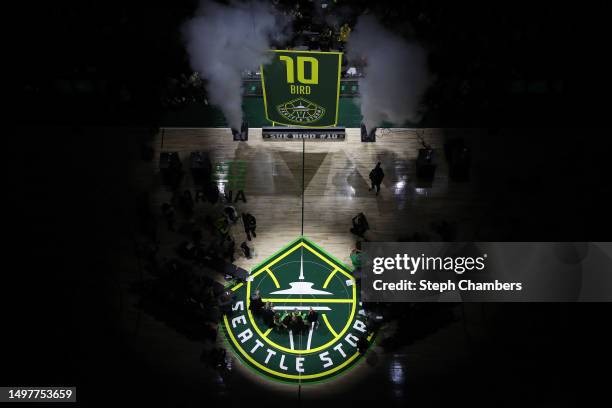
(335, 186)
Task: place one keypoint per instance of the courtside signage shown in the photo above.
(299, 278)
(298, 133)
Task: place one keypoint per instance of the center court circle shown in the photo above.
(298, 317)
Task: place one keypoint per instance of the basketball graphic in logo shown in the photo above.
(301, 111)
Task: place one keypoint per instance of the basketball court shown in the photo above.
(304, 194)
(305, 184)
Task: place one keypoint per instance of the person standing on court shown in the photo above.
(313, 318)
(376, 177)
(250, 223)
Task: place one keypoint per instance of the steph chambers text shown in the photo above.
(437, 286)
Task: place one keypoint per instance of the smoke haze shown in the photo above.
(396, 74)
(223, 41)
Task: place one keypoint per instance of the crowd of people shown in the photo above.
(179, 286)
(216, 227)
(290, 320)
(177, 292)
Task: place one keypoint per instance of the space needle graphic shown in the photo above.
(300, 288)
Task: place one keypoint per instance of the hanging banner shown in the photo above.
(301, 88)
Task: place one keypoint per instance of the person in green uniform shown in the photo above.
(356, 256)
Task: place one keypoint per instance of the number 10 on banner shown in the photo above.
(301, 77)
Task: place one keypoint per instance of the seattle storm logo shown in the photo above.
(298, 316)
(301, 110)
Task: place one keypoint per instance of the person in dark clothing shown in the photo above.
(360, 225)
(313, 318)
(277, 322)
(211, 191)
(231, 214)
(297, 323)
(362, 345)
(445, 230)
(222, 226)
(257, 304)
(224, 301)
(376, 177)
(286, 320)
(246, 250)
(250, 223)
(229, 246)
(268, 315)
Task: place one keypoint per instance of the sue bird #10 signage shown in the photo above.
(302, 88)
